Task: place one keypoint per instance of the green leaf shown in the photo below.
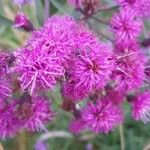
(59, 6)
(5, 21)
(39, 11)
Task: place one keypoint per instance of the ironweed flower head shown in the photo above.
(55, 38)
(37, 70)
(126, 26)
(102, 116)
(141, 7)
(141, 107)
(129, 71)
(91, 68)
(8, 123)
(33, 113)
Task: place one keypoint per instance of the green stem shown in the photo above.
(109, 8)
(99, 33)
(122, 139)
(101, 21)
(21, 141)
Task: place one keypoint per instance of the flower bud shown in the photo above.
(21, 21)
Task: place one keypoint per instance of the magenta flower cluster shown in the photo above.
(65, 52)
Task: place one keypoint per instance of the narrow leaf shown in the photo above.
(59, 6)
(46, 9)
(5, 21)
(39, 11)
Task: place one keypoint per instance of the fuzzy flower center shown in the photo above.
(93, 66)
(23, 111)
(99, 116)
(38, 66)
(49, 46)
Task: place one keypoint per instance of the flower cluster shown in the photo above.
(65, 52)
(19, 111)
(126, 26)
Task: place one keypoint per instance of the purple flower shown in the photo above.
(116, 97)
(128, 2)
(21, 2)
(37, 70)
(129, 71)
(63, 39)
(33, 113)
(89, 146)
(21, 21)
(6, 61)
(40, 145)
(141, 7)
(91, 68)
(8, 123)
(55, 38)
(76, 126)
(5, 88)
(126, 26)
(127, 47)
(141, 107)
(102, 116)
(70, 91)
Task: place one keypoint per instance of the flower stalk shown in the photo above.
(122, 139)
